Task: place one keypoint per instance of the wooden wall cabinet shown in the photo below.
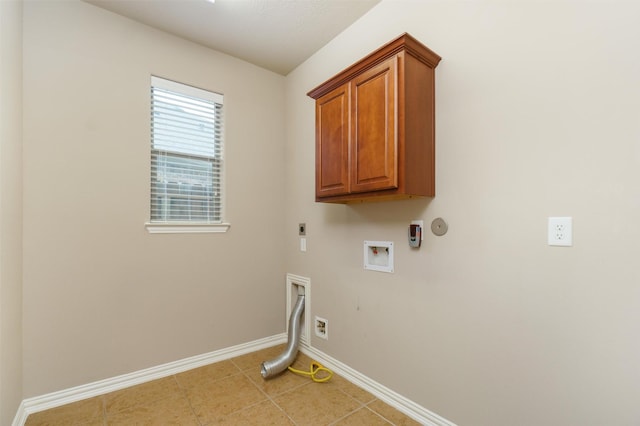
(375, 134)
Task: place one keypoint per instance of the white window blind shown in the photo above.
(186, 154)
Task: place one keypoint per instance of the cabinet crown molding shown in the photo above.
(405, 42)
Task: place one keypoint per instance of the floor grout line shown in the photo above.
(379, 415)
(361, 406)
(270, 398)
(193, 410)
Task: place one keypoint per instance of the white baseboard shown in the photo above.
(78, 393)
(388, 396)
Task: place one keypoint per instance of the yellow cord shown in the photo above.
(313, 372)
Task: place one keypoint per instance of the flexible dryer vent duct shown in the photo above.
(285, 359)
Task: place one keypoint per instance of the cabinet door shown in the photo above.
(373, 132)
(332, 143)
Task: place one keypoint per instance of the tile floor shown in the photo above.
(230, 392)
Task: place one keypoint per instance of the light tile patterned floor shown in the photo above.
(230, 392)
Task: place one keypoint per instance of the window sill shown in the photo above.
(186, 228)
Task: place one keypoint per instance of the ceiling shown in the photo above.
(274, 34)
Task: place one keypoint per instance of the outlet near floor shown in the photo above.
(322, 328)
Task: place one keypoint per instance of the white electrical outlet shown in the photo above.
(322, 328)
(560, 231)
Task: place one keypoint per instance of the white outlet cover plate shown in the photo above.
(560, 231)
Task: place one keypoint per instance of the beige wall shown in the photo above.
(103, 297)
(537, 116)
(10, 209)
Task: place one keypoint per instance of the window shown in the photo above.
(186, 159)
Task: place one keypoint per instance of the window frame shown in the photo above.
(180, 227)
